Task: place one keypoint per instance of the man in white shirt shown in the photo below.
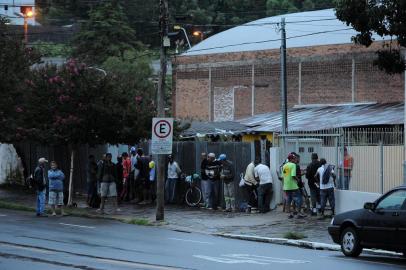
(327, 184)
(263, 175)
(171, 183)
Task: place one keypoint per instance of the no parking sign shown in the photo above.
(162, 136)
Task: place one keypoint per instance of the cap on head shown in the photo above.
(42, 160)
(133, 150)
(212, 155)
(151, 164)
(222, 157)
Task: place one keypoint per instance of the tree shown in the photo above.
(385, 18)
(106, 33)
(15, 62)
(74, 104)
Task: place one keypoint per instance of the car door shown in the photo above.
(401, 239)
(380, 228)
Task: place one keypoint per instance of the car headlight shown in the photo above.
(332, 221)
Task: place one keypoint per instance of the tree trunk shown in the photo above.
(72, 162)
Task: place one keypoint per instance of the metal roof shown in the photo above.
(252, 36)
(324, 117)
(214, 128)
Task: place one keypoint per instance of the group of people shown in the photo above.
(133, 177)
(49, 183)
(321, 182)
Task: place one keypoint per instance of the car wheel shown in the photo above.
(350, 243)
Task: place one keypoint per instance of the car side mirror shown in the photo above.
(370, 206)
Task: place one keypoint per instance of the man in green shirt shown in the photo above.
(290, 186)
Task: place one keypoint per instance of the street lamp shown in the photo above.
(27, 14)
(178, 27)
(198, 34)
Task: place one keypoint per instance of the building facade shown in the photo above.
(228, 84)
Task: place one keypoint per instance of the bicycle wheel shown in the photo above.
(193, 196)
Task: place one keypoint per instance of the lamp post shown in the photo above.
(28, 13)
(178, 27)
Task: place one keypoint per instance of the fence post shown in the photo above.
(381, 164)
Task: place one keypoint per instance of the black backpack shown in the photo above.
(327, 174)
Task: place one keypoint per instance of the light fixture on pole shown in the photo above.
(178, 27)
(28, 13)
(198, 34)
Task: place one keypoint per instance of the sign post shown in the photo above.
(162, 136)
(161, 144)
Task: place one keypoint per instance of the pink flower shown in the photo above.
(138, 98)
(19, 109)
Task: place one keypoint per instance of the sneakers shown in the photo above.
(42, 215)
(290, 216)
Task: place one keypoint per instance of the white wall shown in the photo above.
(10, 165)
(351, 200)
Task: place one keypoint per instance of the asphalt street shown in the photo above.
(29, 242)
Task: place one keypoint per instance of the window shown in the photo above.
(394, 201)
(301, 149)
(310, 149)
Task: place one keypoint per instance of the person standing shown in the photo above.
(311, 171)
(173, 177)
(133, 175)
(108, 188)
(40, 184)
(327, 184)
(205, 185)
(152, 179)
(120, 177)
(264, 177)
(142, 181)
(126, 163)
(56, 178)
(348, 165)
(213, 174)
(250, 186)
(227, 176)
(91, 179)
(290, 185)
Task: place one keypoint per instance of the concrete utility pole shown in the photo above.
(163, 23)
(284, 103)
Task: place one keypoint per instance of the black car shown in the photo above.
(381, 224)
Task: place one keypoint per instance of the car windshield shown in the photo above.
(394, 201)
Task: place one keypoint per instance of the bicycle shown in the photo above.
(193, 195)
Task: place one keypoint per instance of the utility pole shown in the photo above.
(284, 103)
(163, 23)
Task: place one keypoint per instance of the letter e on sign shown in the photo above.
(162, 136)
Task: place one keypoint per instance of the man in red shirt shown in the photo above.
(348, 165)
(126, 175)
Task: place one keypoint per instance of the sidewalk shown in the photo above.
(274, 224)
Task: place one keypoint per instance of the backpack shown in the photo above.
(327, 174)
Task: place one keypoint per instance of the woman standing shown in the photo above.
(56, 178)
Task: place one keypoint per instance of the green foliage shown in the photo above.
(385, 18)
(210, 17)
(15, 62)
(48, 49)
(139, 221)
(106, 33)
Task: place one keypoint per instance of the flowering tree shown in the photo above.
(74, 104)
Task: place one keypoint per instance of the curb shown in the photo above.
(303, 244)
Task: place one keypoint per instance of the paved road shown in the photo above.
(28, 242)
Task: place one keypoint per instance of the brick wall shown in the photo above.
(316, 75)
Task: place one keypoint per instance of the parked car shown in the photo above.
(381, 224)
